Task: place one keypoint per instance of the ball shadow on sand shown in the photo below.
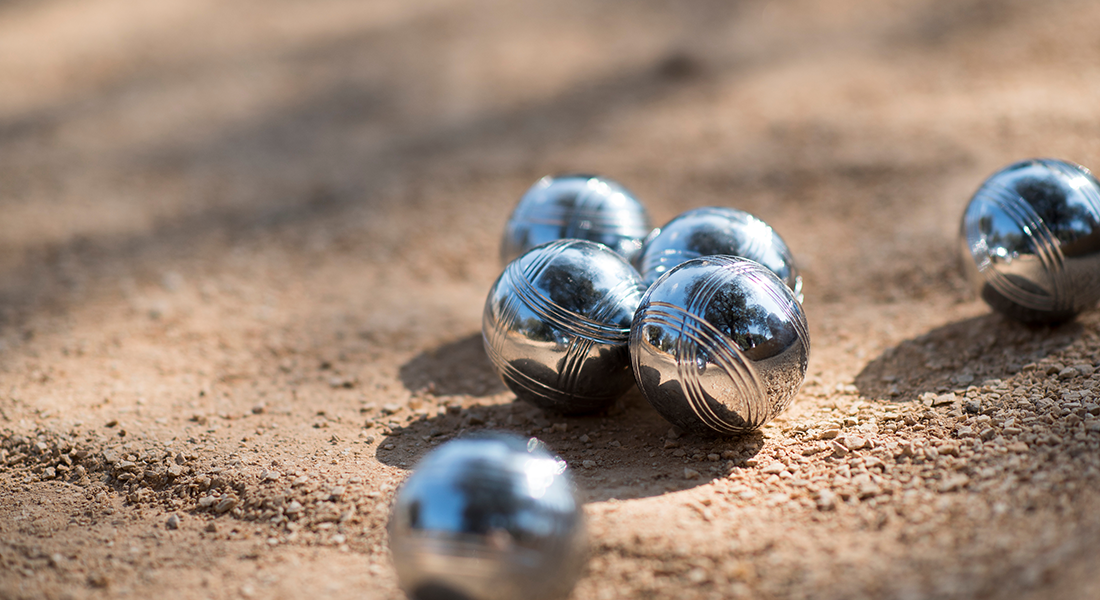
(458, 368)
(958, 355)
(625, 452)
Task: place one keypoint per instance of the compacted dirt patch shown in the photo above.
(245, 248)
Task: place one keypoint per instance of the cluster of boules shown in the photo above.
(714, 337)
(571, 324)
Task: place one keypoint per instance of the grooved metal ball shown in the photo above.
(710, 231)
(720, 345)
(1031, 240)
(489, 518)
(584, 207)
(557, 322)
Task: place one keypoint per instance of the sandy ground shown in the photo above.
(245, 246)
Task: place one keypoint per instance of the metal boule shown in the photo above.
(492, 517)
(719, 344)
(712, 231)
(557, 322)
(1030, 240)
(585, 207)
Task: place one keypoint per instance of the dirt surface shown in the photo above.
(245, 247)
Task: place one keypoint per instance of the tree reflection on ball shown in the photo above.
(584, 207)
(488, 518)
(1031, 240)
(557, 322)
(719, 344)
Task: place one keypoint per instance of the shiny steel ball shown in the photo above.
(488, 518)
(715, 230)
(556, 325)
(719, 345)
(584, 207)
(1031, 240)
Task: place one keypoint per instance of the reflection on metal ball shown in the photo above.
(1031, 240)
(584, 207)
(493, 517)
(557, 322)
(710, 231)
(719, 344)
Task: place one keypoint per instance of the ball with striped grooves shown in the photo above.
(714, 230)
(557, 322)
(1031, 240)
(720, 345)
(585, 207)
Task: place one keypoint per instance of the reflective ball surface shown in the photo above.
(582, 207)
(557, 322)
(712, 231)
(1031, 240)
(719, 345)
(488, 518)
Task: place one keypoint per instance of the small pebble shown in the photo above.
(853, 442)
(945, 399)
(774, 468)
(173, 522)
(826, 500)
(225, 505)
(954, 482)
(828, 434)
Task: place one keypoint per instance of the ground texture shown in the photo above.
(245, 247)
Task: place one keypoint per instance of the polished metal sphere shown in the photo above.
(710, 231)
(494, 517)
(557, 322)
(582, 207)
(719, 344)
(1031, 240)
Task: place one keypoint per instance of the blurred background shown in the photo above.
(166, 130)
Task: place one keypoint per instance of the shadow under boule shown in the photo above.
(625, 452)
(957, 355)
(457, 368)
